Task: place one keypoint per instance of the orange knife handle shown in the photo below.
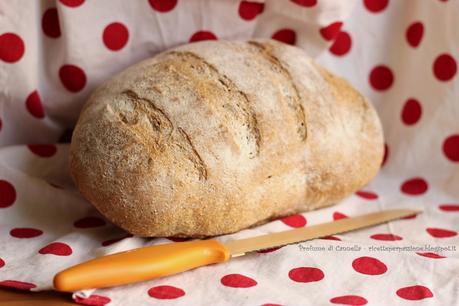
(141, 264)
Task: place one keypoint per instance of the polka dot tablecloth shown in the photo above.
(402, 54)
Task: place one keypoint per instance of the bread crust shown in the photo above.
(214, 137)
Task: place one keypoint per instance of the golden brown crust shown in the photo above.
(214, 137)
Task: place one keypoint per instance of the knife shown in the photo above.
(156, 261)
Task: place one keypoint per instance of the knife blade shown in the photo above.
(166, 259)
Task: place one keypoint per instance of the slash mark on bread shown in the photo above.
(164, 132)
(230, 104)
(294, 99)
(193, 154)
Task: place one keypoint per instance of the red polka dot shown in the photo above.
(115, 240)
(331, 238)
(17, 285)
(440, 232)
(414, 186)
(451, 148)
(305, 3)
(165, 292)
(381, 78)
(369, 266)
(115, 36)
(368, 195)
(294, 221)
(444, 67)
(203, 35)
(342, 44)
(287, 36)
(416, 292)
(331, 31)
(349, 300)
(268, 250)
(56, 248)
(93, 300)
(411, 112)
(386, 237)
(89, 222)
(7, 194)
(449, 207)
(431, 255)
(11, 47)
(1, 124)
(43, 150)
(163, 6)
(248, 10)
(50, 23)
(25, 232)
(72, 77)
(72, 3)
(386, 154)
(337, 216)
(2, 263)
(238, 281)
(306, 274)
(414, 34)
(34, 105)
(376, 6)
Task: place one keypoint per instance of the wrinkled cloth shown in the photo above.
(401, 54)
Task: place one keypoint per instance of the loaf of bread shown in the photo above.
(214, 137)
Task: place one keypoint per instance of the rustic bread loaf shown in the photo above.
(213, 137)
